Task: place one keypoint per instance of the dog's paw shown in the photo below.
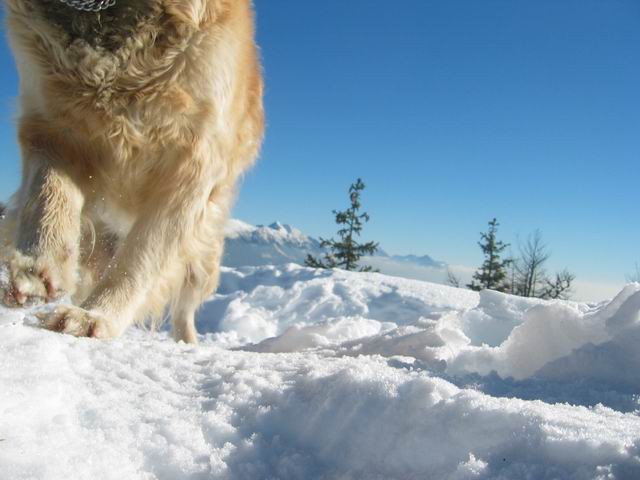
(31, 282)
(75, 321)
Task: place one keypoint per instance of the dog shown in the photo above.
(136, 122)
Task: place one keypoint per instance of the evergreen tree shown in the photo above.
(493, 272)
(346, 251)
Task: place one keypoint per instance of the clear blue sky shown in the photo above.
(453, 112)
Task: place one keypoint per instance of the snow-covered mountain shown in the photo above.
(304, 373)
(278, 243)
(422, 261)
(275, 244)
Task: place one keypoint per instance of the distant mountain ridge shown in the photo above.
(424, 260)
(275, 244)
(278, 243)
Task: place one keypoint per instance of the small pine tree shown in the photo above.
(493, 272)
(347, 251)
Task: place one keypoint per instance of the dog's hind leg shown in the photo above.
(202, 276)
(183, 315)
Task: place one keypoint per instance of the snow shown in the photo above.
(303, 373)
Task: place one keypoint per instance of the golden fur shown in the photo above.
(133, 135)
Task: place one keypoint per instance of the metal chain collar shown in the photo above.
(89, 5)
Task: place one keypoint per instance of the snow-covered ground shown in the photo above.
(328, 374)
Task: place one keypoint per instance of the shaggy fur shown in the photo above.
(135, 125)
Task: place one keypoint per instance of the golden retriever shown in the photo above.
(135, 124)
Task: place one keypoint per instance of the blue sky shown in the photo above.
(453, 112)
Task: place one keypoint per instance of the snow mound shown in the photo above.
(552, 330)
(326, 374)
(291, 308)
(255, 303)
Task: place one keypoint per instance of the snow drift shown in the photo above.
(328, 374)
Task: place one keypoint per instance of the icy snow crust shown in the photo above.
(317, 374)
